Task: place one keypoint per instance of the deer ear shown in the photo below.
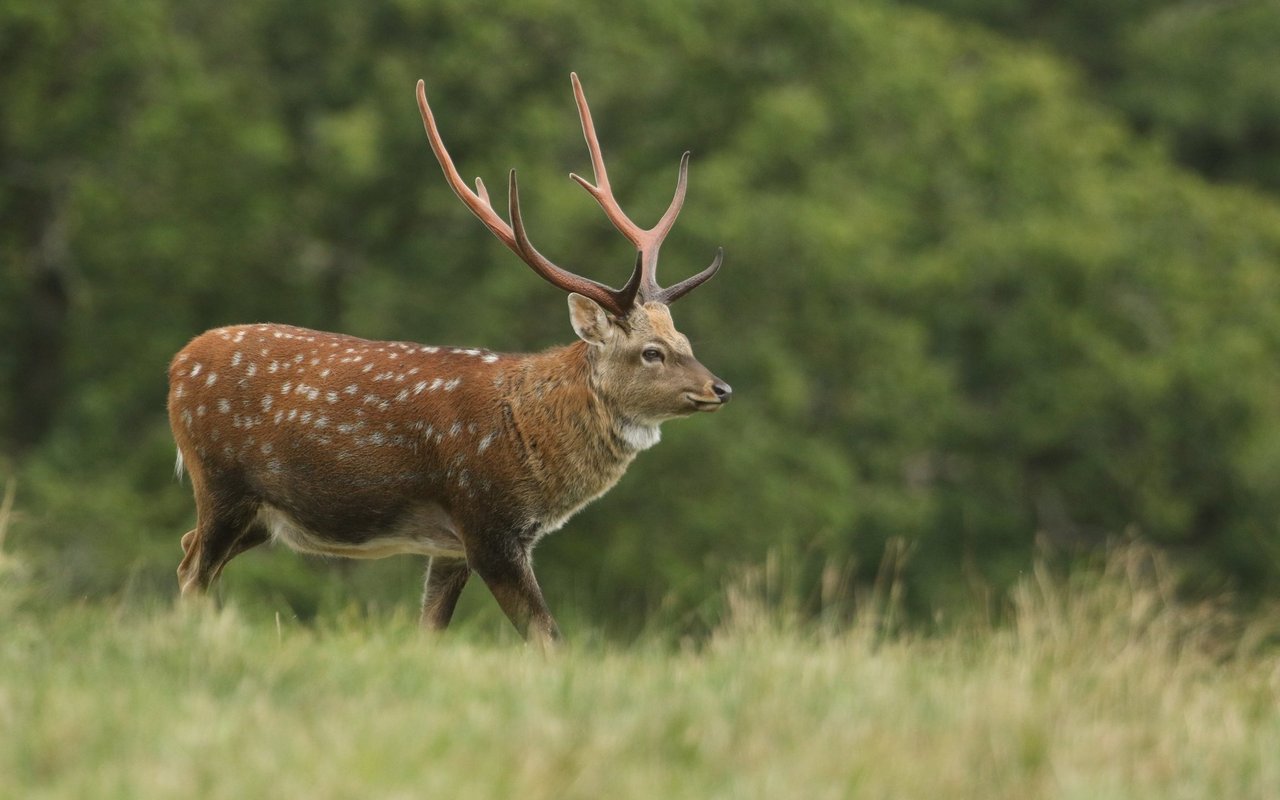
(590, 321)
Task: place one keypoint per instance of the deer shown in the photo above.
(341, 446)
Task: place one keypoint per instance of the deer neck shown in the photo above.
(571, 444)
(564, 382)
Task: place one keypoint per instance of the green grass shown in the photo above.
(1099, 686)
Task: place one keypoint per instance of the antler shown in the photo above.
(617, 301)
(642, 283)
(647, 242)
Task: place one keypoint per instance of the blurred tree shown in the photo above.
(962, 305)
(1196, 74)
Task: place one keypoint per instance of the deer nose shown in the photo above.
(723, 391)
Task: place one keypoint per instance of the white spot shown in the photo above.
(431, 349)
(236, 358)
(224, 406)
(305, 418)
(179, 390)
(452, 384)
(418, 388)
(322, 422)
(402, 396)
(367, 367)
(279, 416)
(490, 358)
(485, 442)
(196, 370)
(436, 384)
(212, 379)
(251, 370)
(351, 390)
(286, 387)
(273, 366)
(200, 411)
(324, 373)
(293, 414)
(455, 429)
(266, 402)
(332, 397)
(312, 394)
(266, 447)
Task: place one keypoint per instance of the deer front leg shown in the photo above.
(508, 572)
(442, 586)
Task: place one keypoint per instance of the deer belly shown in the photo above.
(423, 530)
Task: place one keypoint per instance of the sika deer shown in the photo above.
(342, 446)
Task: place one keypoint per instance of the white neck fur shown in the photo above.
(639, 436)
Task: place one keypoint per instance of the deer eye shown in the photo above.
(652, 355)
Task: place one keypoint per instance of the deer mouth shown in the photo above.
(701, 403)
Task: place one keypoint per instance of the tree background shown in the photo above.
(1000, 278)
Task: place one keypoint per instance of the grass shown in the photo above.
(1099, 686)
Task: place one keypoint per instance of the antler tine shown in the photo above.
(601, 190)
(663, 227)
(478, 203)
(673, 293)
(617, 301)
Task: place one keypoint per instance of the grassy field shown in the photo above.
(1097, 687)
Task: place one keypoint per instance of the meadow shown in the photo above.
(1095, 684)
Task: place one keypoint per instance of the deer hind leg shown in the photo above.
(217, 538)
(442, 586)
(509, 576)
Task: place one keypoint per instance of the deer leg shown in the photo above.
(251, 538)
(509, 576)
(440, 591)
(217, 538)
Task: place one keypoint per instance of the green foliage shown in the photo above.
(1196, 74)
(963, 306)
